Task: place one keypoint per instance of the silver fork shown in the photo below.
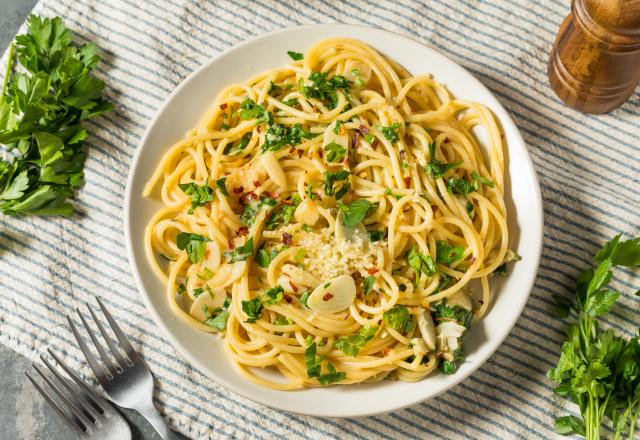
(90, 416)
(125, 378)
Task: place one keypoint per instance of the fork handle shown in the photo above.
(154, 418)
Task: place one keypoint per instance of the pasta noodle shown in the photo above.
(327, 218)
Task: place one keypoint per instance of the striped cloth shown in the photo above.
(588, 167)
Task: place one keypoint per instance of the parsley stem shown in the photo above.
(7, 72)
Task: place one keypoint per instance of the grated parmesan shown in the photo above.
(325, 258)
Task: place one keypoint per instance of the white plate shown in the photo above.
(183, 109)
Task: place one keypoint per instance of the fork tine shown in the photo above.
(120, 360)
(97, 369)
(73, 423)
(77, 412)
(89, 392)
(75, 395)
(128, 348)
(103, 354)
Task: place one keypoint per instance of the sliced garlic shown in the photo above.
(307, 212)
(355, 234)
(420, 348)
(333, 296)
(427, 329)
(271, 165)
(212, 299)
(300, 276)
(448, 334)
(460, 298)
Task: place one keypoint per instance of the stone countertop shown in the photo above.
(24, 415)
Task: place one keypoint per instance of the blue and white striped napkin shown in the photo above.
(589, 168)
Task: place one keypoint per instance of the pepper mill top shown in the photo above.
(595, 61)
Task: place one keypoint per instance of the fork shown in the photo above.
(125, 379)
(89, 416)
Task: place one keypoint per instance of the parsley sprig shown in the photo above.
(314, 366)
(597, 369)
(41, 115)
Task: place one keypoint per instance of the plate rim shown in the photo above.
(505, 118)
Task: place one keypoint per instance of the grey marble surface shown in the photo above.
(24, 415)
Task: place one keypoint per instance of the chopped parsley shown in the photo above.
(367, 284)
(447, 254)
(240, 253)
(477, 177)
(391, 132)
(304, 298)
(438, 169)
(324, 89)
(264, 256)
(421, 263)
(237, 148)
(194, 244)
(398, 318)
(291, 102)
(250, 110)
(314, 366)
(359, 82)
(199, 194)
(336, 183)
(253, 309)
(219, 321)
(273, 295)
(280, 216)
(336, 127)
(281, 320)
(501, 270)
(182, 289)
(221, 184)
(355, 212)
(470, 210)
(388, 192)
(295, 56)
(375, 235)
(352, 344)
(335, 152)
(461, 186)
(279, 136)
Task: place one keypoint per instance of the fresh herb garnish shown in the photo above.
(597, 369)
(194, 244)
(367, 284)
(41, 112)
(182, 289)
(388, 192)
(273, 295)
(295, 56)
(279, 136)
(447, 254)
(281, 320)
(421, 263)
(280, 216)
(253, 309)
(397, 318)
(470, 209)
(336, 127)
(250, 110)
(221, 184)
(199, 194)
(237, 148)
(336, 183)
(391, 132)
(477, 177)
(335, 152)
(304, 297)
(324, 89)
(375, 235)
(264, 256)
(359, 82)
(351, 345)
(461, 186)
(240, 253)
(355, 211)
(438, 169)
(291, 102)
(314, 366)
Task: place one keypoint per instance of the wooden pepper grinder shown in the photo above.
(595, 61)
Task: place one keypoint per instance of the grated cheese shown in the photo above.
(325, 258)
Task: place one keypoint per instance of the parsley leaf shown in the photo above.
(367, 284)
(324, 89)
(421, 263)
(282, 215)
(221, 184)
(447, 254)
(253, 309)
(335, 152)
(273, 295)
(279, 136)
(375, 235)
(240, 253)
(336, 183)
(314, 367)
(237, 148)
(461, 186)
(438, 169)
(199, 194)
(482, 180)
(391, 132)
(264, 256)
(304, 297)
(355, 212)
(194, 244)
(250, 110)
(352, 344)
(295, 56)
(397, 318)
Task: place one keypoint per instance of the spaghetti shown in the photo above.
(327, 218)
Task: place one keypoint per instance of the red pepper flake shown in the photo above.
(287, 202)
(386, 351)
(407, 182)
(288, 299)
(481, 302)
(372, 270)
(293, 286)
(251, 196)
(320, 154)
(356, 276)
(355, 141)
(238, 190)
(364, 129)
(207, 252)
(342, 130)
(257, 183)
(327, 297)
(223, 107)
(243, 230)
(272, 195)
(231, 245)
(300, 153)
(287, 238)
(292, 150)
(259, 128)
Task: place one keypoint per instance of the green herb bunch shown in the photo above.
(41, 112)
(598, 370)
